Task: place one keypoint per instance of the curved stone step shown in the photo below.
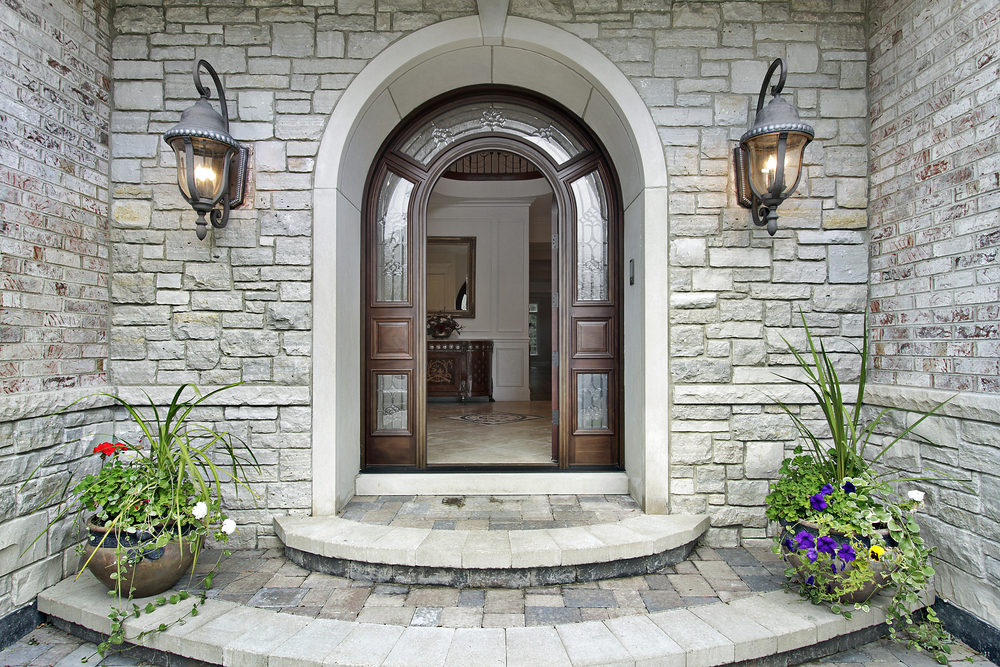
(507, 558)
(778, 625)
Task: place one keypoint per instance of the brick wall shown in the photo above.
(55, 96)
(935, 229)
(55, 87)
(935, 204)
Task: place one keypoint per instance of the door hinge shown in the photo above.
(555, 357)
(555, 242)
(555, 299)
(555, 418)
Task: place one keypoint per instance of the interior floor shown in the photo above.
(520, 441)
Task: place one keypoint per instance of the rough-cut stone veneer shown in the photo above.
(935, 284)
(238, 306)
(51, 446)
(961, 514)
(935, 204)
(55, 91)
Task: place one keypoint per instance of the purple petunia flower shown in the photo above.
(805, 540)
(846, 553)
(826, 490)
(818, 502)
(849, 488)
(810, 580)
(790, 545)
(827, 545)
(812, 554)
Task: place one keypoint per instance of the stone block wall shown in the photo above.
(237, 307)
(735, 291)
(935, 283)
(55, 86)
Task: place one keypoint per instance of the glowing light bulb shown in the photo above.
(204, 176)
(770, 166)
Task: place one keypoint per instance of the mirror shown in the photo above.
(451, 275)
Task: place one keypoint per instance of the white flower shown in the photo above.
(200, 510)
(916, 495)
(228, 526)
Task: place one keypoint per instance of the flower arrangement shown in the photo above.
(846, 529)
(167, 487)
(441, 325)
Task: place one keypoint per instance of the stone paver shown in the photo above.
(490, 512)
(47, 646)
(707, 577)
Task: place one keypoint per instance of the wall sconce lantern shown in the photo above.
(211, 165)
(769, 157)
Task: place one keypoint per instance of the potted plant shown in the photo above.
(847, 530)
(153, 501)
(442, 326)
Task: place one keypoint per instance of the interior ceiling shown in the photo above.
(492, 165)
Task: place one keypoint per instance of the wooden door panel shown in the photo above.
(593, 338)
(392, 338)
(593, 450)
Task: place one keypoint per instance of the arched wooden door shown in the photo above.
(588, 302)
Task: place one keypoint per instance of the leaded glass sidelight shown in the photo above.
(508, 118)
(592, 280)
(592, 400)
(392, 239)
(391, 399)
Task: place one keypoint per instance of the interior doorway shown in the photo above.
(500, 205)
(404, 368)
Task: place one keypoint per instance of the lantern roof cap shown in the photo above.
(202, 120)
(777, 116)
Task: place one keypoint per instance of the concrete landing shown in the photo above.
(774, 628)
(506, 558)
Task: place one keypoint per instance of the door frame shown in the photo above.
(593, 159)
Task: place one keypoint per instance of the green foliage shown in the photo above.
(849, 436)
(831, 484)
(168, 483)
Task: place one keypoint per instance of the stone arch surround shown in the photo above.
(413, 70)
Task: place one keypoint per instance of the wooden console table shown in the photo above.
(460, 368)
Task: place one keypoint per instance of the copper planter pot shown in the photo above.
(156, 571)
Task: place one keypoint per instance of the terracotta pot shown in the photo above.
(157, 569)
(879, 580)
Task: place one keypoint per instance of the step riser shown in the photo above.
(488, 578)
(785, 659)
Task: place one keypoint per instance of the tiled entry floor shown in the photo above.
(490, 512)
(454, 442)
(268, 580)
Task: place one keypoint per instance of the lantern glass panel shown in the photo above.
(763, 161)
(210, 158)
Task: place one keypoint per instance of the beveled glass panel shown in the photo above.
(493, 117)
(392, 243)
(592, 280)
(391, 398)
(592, 401)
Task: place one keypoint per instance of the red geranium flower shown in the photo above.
(107, 449)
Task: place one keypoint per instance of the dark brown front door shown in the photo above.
(587, 384)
